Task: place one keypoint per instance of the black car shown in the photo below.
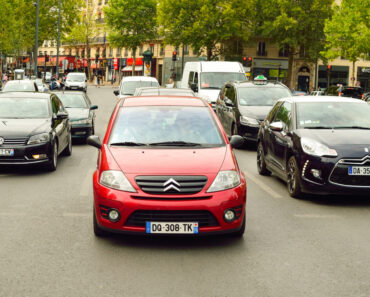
(81, 112)
(242, 106)
(317, 145)
(34, 129)
(353, 92)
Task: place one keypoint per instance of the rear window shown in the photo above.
(19, 87)
(129, 87)
(158, 124)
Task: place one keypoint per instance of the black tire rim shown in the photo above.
(259, 157)
(292, 182)
(55, 155)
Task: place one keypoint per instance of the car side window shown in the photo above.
(230, 93)
(196, 78)
(284, 114)
(191, 77)
(54, 105)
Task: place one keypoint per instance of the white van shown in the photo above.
(207, 78)
(76, 81)
(129, 84)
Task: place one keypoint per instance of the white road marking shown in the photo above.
(262, 185)
(317, 216)
(86, 185)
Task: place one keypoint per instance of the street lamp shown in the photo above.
(58, 40)
(36, 37)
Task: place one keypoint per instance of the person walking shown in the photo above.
(98, 78)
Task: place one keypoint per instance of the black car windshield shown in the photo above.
(166, 126)
(261, 95)
(332, 115)
(24, 108)
(129, 87)
(76, 78)
(72, 100)
(16, 86)
(216, 80)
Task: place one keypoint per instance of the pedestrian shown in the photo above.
(98, 77)
(114, 78)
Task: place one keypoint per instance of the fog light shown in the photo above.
(36, 157)
(114, 215)
(229, 215)
(316, 173)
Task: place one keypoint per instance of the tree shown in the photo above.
(295, 24)
(131, 23)
(348, 33)
(204, 24)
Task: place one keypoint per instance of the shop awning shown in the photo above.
(129, 68)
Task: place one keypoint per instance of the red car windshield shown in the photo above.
(167, 126)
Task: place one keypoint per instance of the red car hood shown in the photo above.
(169, 161)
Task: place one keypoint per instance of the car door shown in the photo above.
(220, 106)
(61, 126)
(229, 111)
(281, 140)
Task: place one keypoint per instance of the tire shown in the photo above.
(241, 231)
(261, 164)
(293, 178)
(53, 162)
(97, 230)
(68, 150)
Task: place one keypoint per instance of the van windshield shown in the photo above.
(216, 80)
(76, 78)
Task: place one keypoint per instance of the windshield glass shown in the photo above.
(157, 124)
(216, 80)
(76, 78)
(333, 115)
(261, 96)
(129, 87)
(16, 86)
(23, 108)
(71, 100)
(171, 92)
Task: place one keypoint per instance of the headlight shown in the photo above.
(84, 121)
(225, 180)
(249, 121)
(39, 138)
(116, 180)
(315, 148)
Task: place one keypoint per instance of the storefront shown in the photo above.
(272, 69)
(335, 75)
(127, 70)
(363, 77)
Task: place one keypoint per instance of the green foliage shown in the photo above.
(204, 24)
(348, 33)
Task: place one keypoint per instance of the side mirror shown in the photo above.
(116, 92)
(236, 141)
(93, 107)
(194, 87)
(277, 126)
(94, 141)
(62, 115)
(228, 102)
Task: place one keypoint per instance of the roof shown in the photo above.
(164, 91)
(139, 78)
(163, 101)
(321, 99)
(36, 95)
(251, 84)
(20, 81)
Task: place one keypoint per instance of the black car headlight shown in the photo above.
(39, 138)
(315, 148)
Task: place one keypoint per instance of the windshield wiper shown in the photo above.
(352, 127)
(318, 127)
(128, 143)
(175, 143)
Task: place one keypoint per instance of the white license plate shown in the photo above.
(172, 227)
(357, 170)
(7, 152)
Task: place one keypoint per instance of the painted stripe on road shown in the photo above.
(317, 216)
(262, 185)
(86, 185)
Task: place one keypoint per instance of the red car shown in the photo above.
(166, 166)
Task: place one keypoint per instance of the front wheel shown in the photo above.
(68, 149)
(261, 164)
(53, 158)
(293, 179)
(241, 231)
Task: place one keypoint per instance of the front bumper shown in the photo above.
(23, 155)
(129, 203)
(76, 88)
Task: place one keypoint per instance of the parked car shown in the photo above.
(166, 167)
(317, 145)
(20, 86)
(129, 84)
(207, 78)
(35, 130)
(353, 92)
(158, 91)
(81, 112)
(76, 81)
(242, 106)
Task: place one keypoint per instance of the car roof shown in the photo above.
(168, 91)
(36, 95)
(321, 99)
(68, 91)
(252, 84)
(139, 78)
(163, 101)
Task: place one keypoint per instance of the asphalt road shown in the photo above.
(319, 246)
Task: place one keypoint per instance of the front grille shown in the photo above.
(169, 185)
(168, 198)
(15, 141)
(204, 218)
(340, 173)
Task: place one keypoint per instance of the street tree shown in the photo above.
(204, 24)
(296, 25)
(131, 23)
(348, 33)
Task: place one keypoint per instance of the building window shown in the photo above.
(161, 51)
(118, 52)
(126, 52)
(186, 49)
(104, 53)
(51, 53)
(283, 51)
(111, 52)
(141, 50)
(261, 50)
(40, 53)
(302, 52)
(152, 48)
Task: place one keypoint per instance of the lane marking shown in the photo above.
(86, 185)
(317, 216)
(262, 185)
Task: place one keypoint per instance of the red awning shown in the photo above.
(138, 61)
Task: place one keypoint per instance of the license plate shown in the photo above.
(7, 152)
(74, 88)
(172, 228)
(357, 170)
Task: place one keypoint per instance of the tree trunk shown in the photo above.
(289, 80)
(353, 73)
(133, 61)
(209, 53)
(87, 59)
